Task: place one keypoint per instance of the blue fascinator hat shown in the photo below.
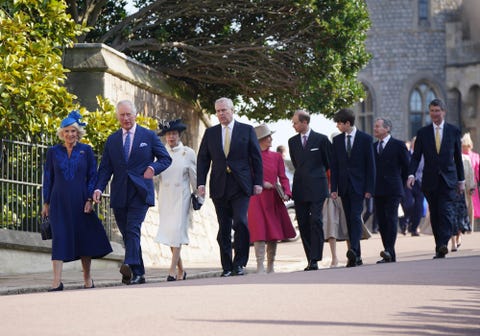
(174, 125)
(73, 117)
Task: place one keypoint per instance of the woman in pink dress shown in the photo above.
(467, 148)
(268, 219)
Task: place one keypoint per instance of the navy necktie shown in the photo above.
(126, 145)
(380, 147)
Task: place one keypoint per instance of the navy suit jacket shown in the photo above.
(358, 170)
(391, 168)
(147, 150)
(310, 181)
(244, 160)
(448, 163)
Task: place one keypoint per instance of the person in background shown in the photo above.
(133, 155)
(231, 150)
(443, 175)
(174, 201)
(311, 155)
(353, 177)
(268, 219)
(474, 205)
(463, 218)
(69, 176)
(289, 169)
(391, 162)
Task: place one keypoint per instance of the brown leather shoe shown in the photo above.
(126, 273)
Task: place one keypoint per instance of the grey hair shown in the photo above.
(387, 123)
(226, 100)
(128, 103)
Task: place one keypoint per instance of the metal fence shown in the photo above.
(21, 177)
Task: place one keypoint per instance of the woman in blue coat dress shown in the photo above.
(69, 177)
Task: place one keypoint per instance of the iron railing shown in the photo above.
(21, 174)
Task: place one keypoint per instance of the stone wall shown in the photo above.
(403, 53)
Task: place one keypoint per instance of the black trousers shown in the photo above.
(310, 224)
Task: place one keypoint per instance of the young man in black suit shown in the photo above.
(353, 177)
(232, 150)
(310, 153)
(391, 162)
(440, 145)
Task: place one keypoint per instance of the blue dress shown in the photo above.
(67, 184)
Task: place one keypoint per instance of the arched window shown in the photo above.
(423, 13)
(421, 95)
(364, 112)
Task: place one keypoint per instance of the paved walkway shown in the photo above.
(290, 258)
(415, 296)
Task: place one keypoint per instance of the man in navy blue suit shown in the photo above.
(443, 174)
(310, 153)
(353, 177)
(232, 150)
(133, 155)
(391, 162)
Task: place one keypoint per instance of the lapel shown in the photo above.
(217, 136)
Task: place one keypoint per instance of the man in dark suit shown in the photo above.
(353, 177)
(310, 153)
(237, 172)
(443, 174)
(391, 162)
(133, 155)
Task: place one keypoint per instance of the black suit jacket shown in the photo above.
(244, 159)
(311, 164)
(391, 168)
(359, 169)
(448, 163)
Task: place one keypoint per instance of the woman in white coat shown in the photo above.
(176, 185)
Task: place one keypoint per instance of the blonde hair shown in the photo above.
(80, 131)
(467, 140)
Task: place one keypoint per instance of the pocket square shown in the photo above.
(143, 144)
(313, 149)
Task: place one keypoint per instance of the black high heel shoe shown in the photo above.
(184, 275)
(92, 286)
(171, 278)
(57, 289)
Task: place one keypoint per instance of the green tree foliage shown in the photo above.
(273, 55)
(32, 95)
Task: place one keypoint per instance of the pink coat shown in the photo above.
(268, 217)
(475, 160)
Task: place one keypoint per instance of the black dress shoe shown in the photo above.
(171, 278)
(126, 272)
(137, 280)
(352, 258)
(386, 256)
(312, 266)
(57, 289)
(441, 252)
(415, 234)
(226, 274)
(239, 270)
(359, 262)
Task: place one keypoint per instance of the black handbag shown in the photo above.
(45, 229)
(196, 202)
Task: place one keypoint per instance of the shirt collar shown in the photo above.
(442, 124)
(131, 130)
(307, 133)
(352, 133)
